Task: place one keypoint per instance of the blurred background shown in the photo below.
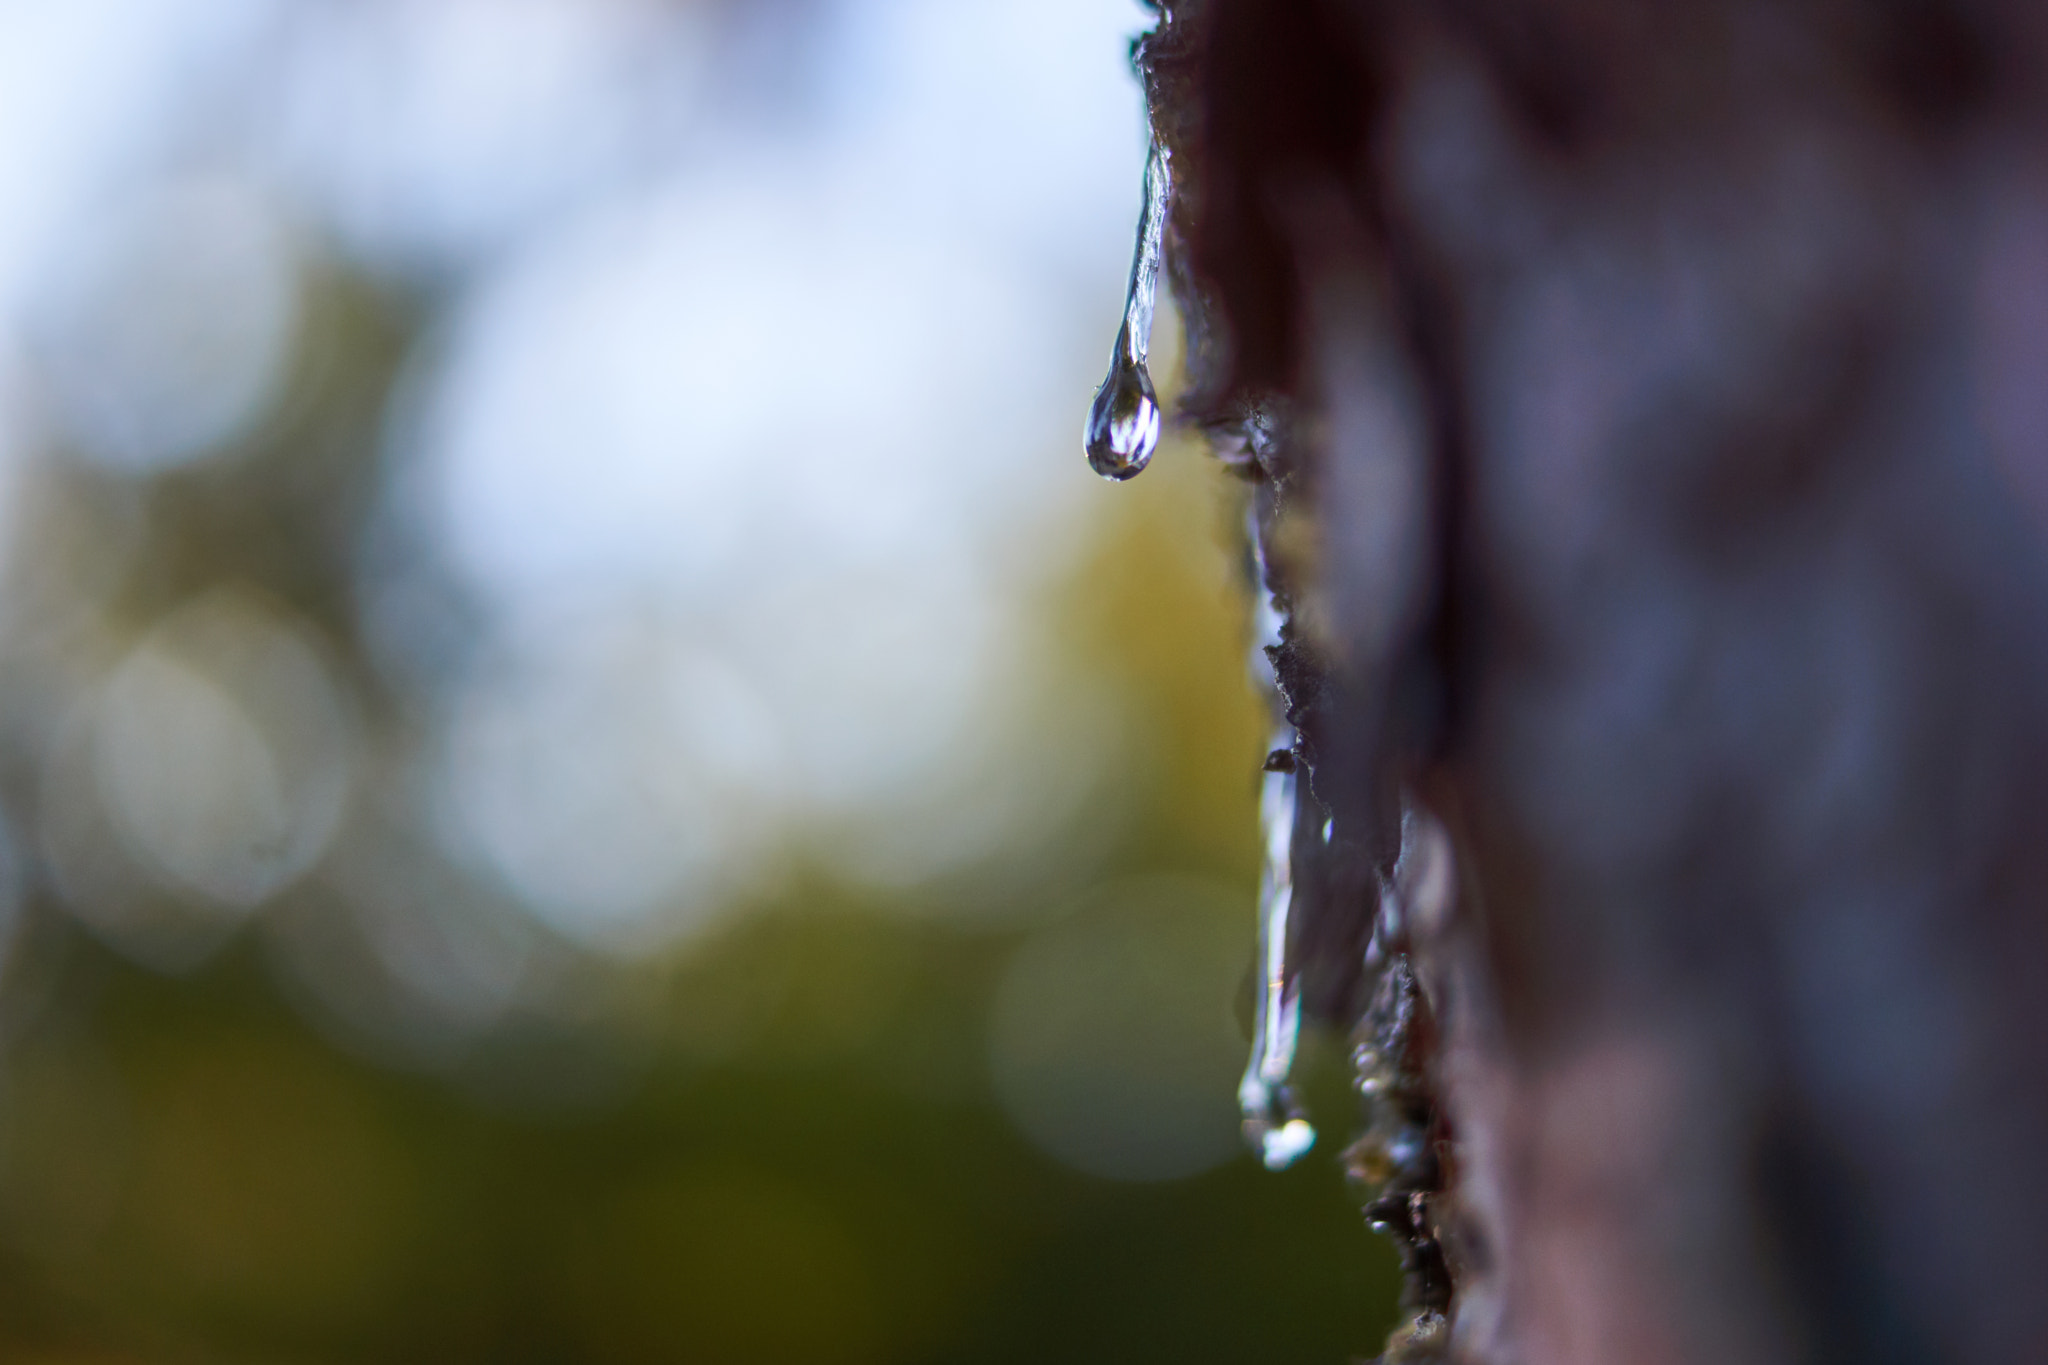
(585, 772)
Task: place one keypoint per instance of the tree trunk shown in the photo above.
(1648, 406)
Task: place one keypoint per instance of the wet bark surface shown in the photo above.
(1649, 412)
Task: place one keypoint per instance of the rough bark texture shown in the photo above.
(1649, 406)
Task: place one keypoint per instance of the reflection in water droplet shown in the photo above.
(1123, 422)
(1273, 1121)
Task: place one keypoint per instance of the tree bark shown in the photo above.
(1648, 406)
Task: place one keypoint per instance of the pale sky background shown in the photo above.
(744, 410)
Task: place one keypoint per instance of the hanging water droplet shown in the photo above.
(1273, 1119)
(1123, 422)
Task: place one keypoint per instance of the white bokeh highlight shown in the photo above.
(166, 332)
(431, 132)
(207, 773)
(1112, 1040)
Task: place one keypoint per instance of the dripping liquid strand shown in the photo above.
(1273, 1120)
(1123, 421)
(1274, 1123)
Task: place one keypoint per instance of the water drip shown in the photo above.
(1123, 422)
(1273, 1118)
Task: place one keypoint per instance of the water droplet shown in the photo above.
(1123, 422)
(1281, 1147)
(1273, 1119)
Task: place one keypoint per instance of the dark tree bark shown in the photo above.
(1649, 411)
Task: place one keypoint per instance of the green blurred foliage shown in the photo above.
(779, 1145)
